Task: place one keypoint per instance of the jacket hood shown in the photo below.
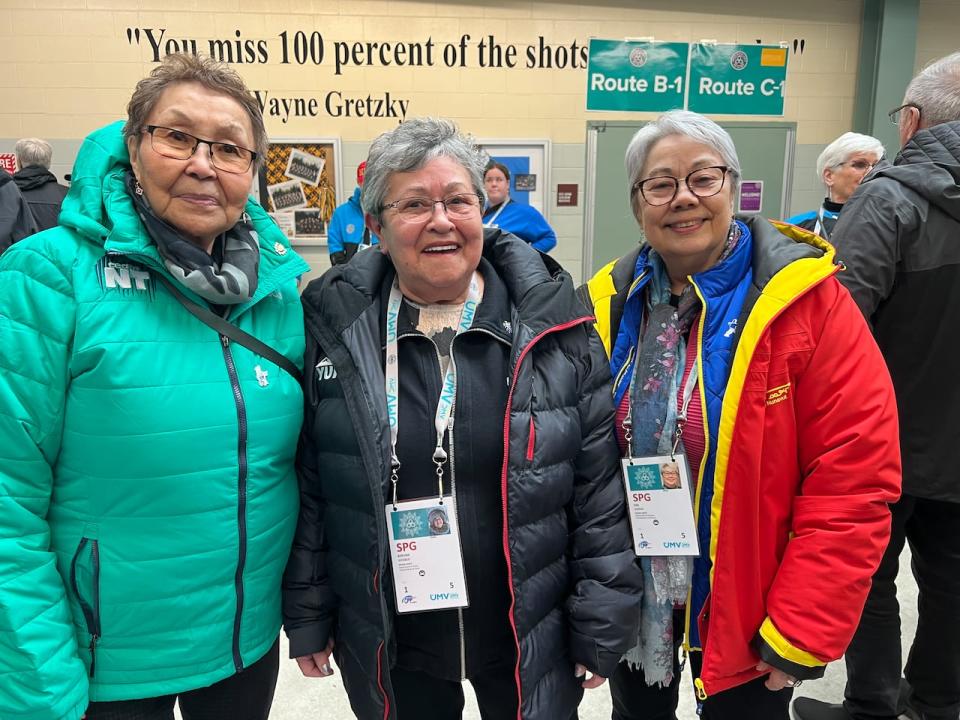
(33, 177)
(929, 164)
(355, 199)
(534, 283)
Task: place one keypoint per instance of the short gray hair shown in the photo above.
(33, 151)
(410, 146)
(681, 122)
(936, 91)
(213, 75)
(840, 150)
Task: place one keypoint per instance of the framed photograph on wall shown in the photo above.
(529, 165)
(299, 186)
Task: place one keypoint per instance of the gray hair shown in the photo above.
(681, 122)
(936, 91)
(213, 75)
(33, 151)
(840, 150)
(410, 146)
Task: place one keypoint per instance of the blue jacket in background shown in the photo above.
(525, 222)
(345, 233)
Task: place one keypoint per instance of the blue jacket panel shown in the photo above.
(346, 225)
(525, 222)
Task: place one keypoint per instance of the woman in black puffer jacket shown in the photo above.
(529, 463)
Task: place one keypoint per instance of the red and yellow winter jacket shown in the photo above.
(802, 453)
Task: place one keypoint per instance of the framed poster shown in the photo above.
(529, 165)
(299, 186)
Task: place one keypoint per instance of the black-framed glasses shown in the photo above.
(662, 189)
(418, 209)
(179, 145)
(894, 114)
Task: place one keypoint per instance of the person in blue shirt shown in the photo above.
(347, 232)
(524, 221)
(841, 166)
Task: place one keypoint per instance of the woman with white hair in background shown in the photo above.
(841, 166)
(734, 334)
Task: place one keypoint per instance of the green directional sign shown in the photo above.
(636, 76)
(737, 79)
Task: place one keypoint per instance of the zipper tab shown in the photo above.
(701, 693)
(531, 442)
(93, 653)
(225, 341)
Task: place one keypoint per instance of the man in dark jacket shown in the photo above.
(37, 184)
(16, 221)
(899, 236)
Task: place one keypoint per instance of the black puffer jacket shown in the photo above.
(43, 194)
(570, 567)
(899, 236)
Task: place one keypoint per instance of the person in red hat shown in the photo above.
(347, 233)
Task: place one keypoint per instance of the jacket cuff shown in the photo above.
(308, 639)
(776, 650)
(596, 659)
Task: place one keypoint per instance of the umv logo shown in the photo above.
(445, 596)
(326, 370)
(122, 275)
(680, 545)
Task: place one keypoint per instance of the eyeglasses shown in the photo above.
(863, 166)
(178, 145)
(418, 209)
(894, 114)
(662, 189)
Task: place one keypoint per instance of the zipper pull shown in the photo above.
(701, 693)
(93, 653)
(225, 341)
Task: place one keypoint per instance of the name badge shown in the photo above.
(659, 495)
(425, 552)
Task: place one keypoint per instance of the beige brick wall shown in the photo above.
(938, 30)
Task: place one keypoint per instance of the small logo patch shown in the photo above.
(262, 376)
(778, 394)
(326, 370)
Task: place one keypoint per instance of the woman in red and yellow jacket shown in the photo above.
(735, 333)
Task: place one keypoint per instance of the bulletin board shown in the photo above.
(299, 186)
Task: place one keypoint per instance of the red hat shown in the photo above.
(361, 168)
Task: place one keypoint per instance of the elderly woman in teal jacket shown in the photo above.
(147, 491)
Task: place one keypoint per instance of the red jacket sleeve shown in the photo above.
(849, 457)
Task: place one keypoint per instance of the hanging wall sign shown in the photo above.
(737, 79)
(636, 76)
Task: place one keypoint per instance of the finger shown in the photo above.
(594, 682)
(579, 671)
(308, 666)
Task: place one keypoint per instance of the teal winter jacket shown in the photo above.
(147, 489)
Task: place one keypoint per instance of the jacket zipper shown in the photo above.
(91, 612)
(241, 495)
(623, 369)
(503, 489)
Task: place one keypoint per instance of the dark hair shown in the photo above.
(213, 75)
(494, 165)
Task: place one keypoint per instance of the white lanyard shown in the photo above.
(489, 223)
(819, 228)
(448, 390)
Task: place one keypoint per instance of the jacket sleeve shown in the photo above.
(41, 674)
(309, 605)
(16, 220)
(604, 606)
(543, 237)
(335, 231)
(849, 458)
(867, 238)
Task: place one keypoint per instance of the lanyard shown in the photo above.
(820, 229)
(489, 223)
(443, 418)
(681, 416)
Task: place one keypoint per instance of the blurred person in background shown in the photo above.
(347, 232)
(524, 221)
(37, 184)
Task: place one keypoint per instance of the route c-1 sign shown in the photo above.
(706, 78)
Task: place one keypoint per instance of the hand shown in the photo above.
(590, 683)
(317, 664)
(778, 679)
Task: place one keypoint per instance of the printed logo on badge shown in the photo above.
(778, 394)
(326, 370)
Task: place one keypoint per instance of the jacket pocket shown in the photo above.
(85, 583)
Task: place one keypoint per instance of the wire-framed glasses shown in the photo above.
(179, 145)
(417, 209)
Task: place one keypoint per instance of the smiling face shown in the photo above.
(192, 195)
(435, 257)
(843, 179)
(689, 232)
(496, 185)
